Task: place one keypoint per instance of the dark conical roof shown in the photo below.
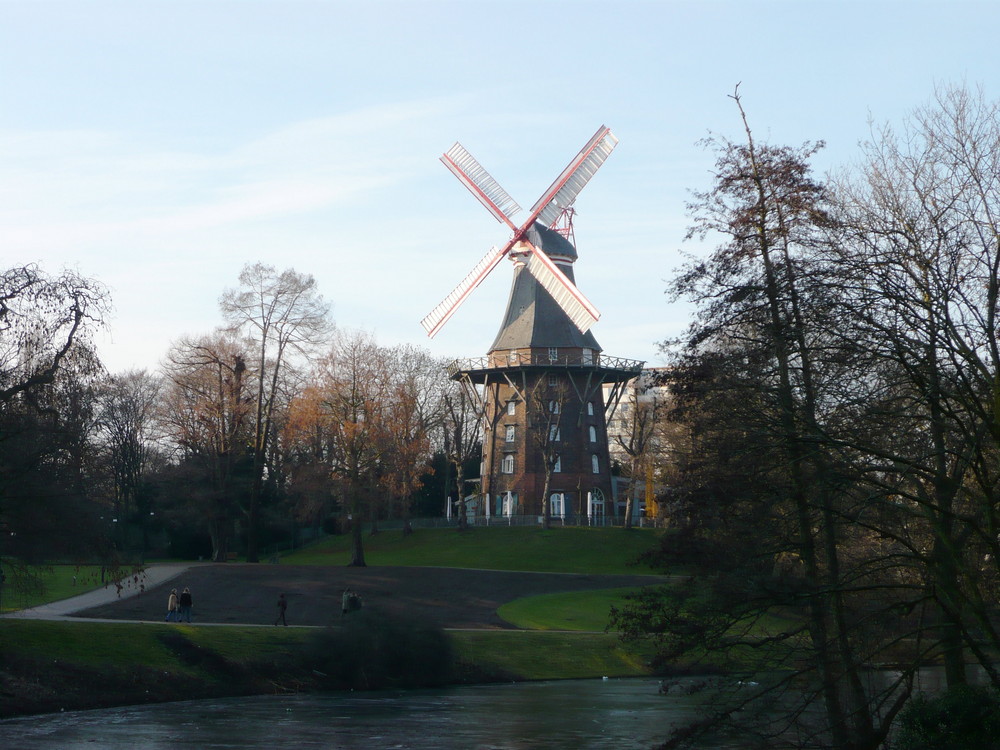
(533, 318)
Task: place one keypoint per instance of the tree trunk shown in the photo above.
(357, 541)
(463, 521)
(253, 555)
(546, 505)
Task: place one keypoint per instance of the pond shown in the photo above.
(559, 715)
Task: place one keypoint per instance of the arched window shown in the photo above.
(557, 505)
(557, 466)
(508, 464)
(590, 408)
(554, 434)
(593, 433)
(595, 464)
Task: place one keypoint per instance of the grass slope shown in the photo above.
(50, 583)
(571, 549)
(587, 611)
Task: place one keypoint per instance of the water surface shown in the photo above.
(558, 715)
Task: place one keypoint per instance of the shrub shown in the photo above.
(372, 650)
(961, 718)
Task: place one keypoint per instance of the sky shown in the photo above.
(158, 147)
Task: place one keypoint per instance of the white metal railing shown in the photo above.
(536, 359)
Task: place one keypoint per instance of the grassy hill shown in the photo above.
(48, 666)
(571, 549)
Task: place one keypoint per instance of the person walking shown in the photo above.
(184, 606)
(282, 606)
(349, 602)
(172, 605)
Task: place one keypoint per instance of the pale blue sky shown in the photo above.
(159, 146)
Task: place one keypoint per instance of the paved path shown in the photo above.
(245, 594)
(150, 578)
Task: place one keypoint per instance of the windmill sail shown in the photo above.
(446, 308)
(560, 195)
(563, 291)
(481, 184)
(563, 192)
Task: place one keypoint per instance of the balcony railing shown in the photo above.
(498, 361)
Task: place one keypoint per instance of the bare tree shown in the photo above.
(460, 427)
(348, 419)
(759, 375)
(920, 222)
(206, 409)
(42, 320)
(547, 404)
(127, 411)
(643, 431)
(284, 316)
(420, 383)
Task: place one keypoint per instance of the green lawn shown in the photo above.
(534, 655)
(94, 644)
(558, 550)
(526, 655)
(50, 583)
(581, 610)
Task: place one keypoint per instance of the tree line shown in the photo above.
(837, 399)
(276, 421)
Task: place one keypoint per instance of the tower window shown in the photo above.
(509, 436)
(554, 434)
(554, 407)
(511, 408)
(590, 408)
(553, 353)
(595, 464)
(557, 466)
(508, 464)
(593, 433)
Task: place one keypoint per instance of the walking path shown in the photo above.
(152, 576)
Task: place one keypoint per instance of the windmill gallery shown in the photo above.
(544, 388)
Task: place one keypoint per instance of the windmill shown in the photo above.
(548, 209)
(544, 388)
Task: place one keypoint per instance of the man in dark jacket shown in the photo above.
(185, 603)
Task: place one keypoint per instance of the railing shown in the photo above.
(540, 359)
(515, 520)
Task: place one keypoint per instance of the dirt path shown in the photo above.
(234, 593)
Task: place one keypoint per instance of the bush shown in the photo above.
(373, 650)
(962, 718)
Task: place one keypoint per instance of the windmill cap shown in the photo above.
(550, 241)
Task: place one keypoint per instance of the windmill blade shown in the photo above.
(563, 291)
(577, 174)
(440, 314)
(481, 184)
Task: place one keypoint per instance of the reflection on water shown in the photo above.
(563, 715)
